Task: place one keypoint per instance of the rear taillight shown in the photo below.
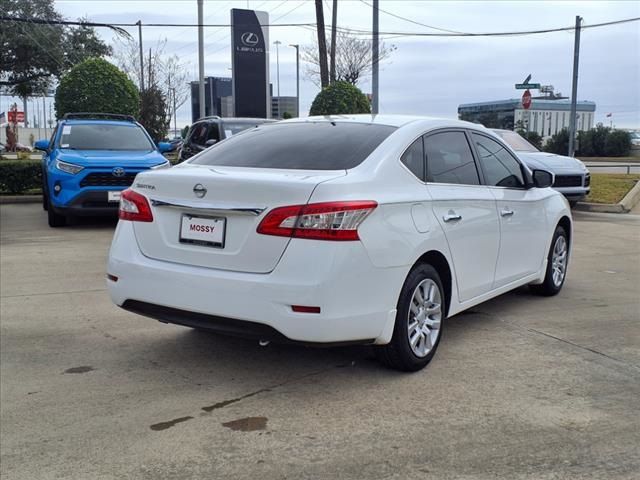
(134, 207)
(318, 221)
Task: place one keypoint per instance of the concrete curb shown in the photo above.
(20, 199)
(625, 205)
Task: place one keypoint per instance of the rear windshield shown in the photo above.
(233, 127)
(300, 146)
(515, 141)
(102, 136)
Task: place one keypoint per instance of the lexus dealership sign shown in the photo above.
(250, 62)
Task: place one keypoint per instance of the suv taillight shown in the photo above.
(318, 221)
(134, 207)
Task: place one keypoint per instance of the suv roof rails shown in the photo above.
(210, 117)
(95, 115)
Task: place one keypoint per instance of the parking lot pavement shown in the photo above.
(522, 387)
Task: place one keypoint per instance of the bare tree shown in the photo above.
(353, 58)
(167, 72)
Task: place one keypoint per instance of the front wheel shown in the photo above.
(557, 262)
(419, 320)
(55, 219)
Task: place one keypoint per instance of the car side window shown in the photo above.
(449, 159)
(499, 167)
(199, 134)
(213, 132)
(413, 158)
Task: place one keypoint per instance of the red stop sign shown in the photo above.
(526, 99)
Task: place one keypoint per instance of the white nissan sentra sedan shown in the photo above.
(334, 230)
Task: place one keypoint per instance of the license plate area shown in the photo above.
(201, 230)
(113, 197)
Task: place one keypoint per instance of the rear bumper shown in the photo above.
(357, 300)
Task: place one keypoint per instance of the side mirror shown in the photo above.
(165, 147)
(208, 143)
(542, 178)
(41, 145)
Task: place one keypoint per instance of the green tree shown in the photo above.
(30, 54)
(184, 131)
(558, 143)
(33, 56)
(340, 98)
(96, 85)
(153, 113)
(617, 144)
(81, 43)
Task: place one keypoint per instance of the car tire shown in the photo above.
(557, 262)
(415, 318)
(55, 219)
(45, 194)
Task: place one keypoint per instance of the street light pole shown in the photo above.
(201, 58)
(297, 47)
(277, 43)
(574, 89)
(374, 60)
(139, 22)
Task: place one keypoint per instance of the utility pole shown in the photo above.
(139, 23)
(175, 115)
(322, 45)
(201, 58)
(334, 21)
(277, 43)
(574, 89)
(297, 47)
(374, 61)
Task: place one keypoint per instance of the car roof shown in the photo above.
(391, 120)
(84, 121)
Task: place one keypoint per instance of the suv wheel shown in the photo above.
(55, 219)
(418, 327)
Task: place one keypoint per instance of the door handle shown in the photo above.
(505, 212)
(451, 217)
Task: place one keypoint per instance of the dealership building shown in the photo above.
(545, 116)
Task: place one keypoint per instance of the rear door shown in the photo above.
(465, 209)
(521, 211)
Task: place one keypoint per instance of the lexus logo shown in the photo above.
(250, 39)
(199, 190)
(118, 172)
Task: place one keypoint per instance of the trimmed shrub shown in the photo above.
(340, 98)
(96, 85)
(617, 144)
(20, 176)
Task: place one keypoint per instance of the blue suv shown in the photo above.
(90, 159)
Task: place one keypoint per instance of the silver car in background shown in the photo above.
(572, 176)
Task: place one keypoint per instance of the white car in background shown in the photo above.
(572, 178)
(332, 230)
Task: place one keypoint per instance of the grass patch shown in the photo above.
(610, 187)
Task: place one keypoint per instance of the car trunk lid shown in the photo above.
(191, 202)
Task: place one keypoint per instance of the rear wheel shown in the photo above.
(419, 320)
(557, 262)
(55, 219)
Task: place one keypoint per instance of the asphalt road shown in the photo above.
(522, 387)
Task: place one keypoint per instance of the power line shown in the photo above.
(411, 21)
(117, 25)
(491, 34)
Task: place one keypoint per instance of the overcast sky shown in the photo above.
(429, 76)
